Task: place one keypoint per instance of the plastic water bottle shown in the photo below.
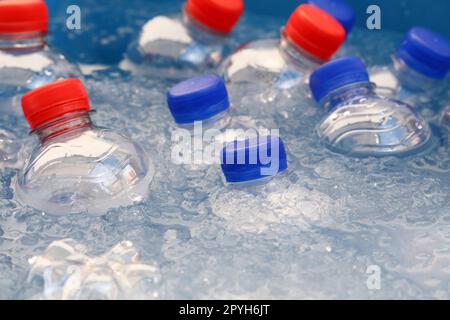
(359, 122)
(185, 45)
(201, 106)
(340, 10)
(310, 37)
(76, 166)
(26, 62)
(418, 69)
(253, 161)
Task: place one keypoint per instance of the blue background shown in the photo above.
(105, 22)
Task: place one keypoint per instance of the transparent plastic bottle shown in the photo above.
(360, 122)
(253, 161)
(78, 167)
(418, 70)
(26, 62)
(201, 106)
(310, 37)
(180, 47)
(262, 191)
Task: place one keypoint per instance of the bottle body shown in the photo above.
(361, 123)
(269, 65)
(401, 82)
(175, 47)
(78, 167)
(26, 65)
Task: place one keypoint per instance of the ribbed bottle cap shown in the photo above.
(315, 31)
(197, 99)
(54, 100)
(426, 52)
(218, 15)
(253, 159)
(23, 16)
(336, 74)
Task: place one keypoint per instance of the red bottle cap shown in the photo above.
(315, 31)
(54, 100)
(23, 16)
(218, 15)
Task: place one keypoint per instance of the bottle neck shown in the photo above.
(336, 97)
(200, 32)
(296, 55)
(219, 121)
(64, 124)
(22, 41)
(410, 78)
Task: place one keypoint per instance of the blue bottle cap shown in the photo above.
(426, 52)
(339, 9)
(197, 99)
(337, 74)
(253, 158)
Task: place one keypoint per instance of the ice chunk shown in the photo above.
(257, 210)
(69, 273)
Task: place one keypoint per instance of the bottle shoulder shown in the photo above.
(371, 104)
(83, 148)
(373, 125)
